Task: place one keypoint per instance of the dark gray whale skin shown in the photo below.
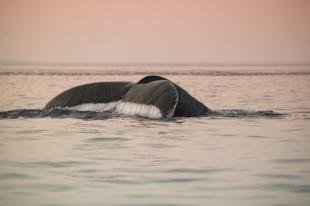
(99, 92)
(187, 105)
(171, 99)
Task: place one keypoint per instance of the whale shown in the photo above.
(153, 97)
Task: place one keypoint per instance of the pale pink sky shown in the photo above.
(155, 31)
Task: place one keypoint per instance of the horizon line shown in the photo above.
(215, 64)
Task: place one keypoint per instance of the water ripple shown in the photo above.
(280, 176)
(12, 175)
(191, 170)
(107, 139)
(292, 160)
(58, 164)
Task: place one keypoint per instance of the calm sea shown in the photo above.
(248, 158)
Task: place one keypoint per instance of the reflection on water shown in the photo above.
(246, 160)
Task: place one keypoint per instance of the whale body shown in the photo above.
(152, 97)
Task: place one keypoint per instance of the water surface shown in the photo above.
(119, 160)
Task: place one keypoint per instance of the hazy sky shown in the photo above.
(155, 31)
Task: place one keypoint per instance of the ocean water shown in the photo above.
(248, 155)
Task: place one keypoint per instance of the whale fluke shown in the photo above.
(187, 106)
(160, 94)
(150, 78)
(152, 97)
(99, 92)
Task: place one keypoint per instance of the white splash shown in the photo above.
(142, 110)
(95, 107)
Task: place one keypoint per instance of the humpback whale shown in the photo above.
(152, 97)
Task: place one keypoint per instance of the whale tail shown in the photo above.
(152, 97)
(156, 99)
(187, 105)
(99, 92)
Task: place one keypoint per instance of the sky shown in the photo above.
(155, 31)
